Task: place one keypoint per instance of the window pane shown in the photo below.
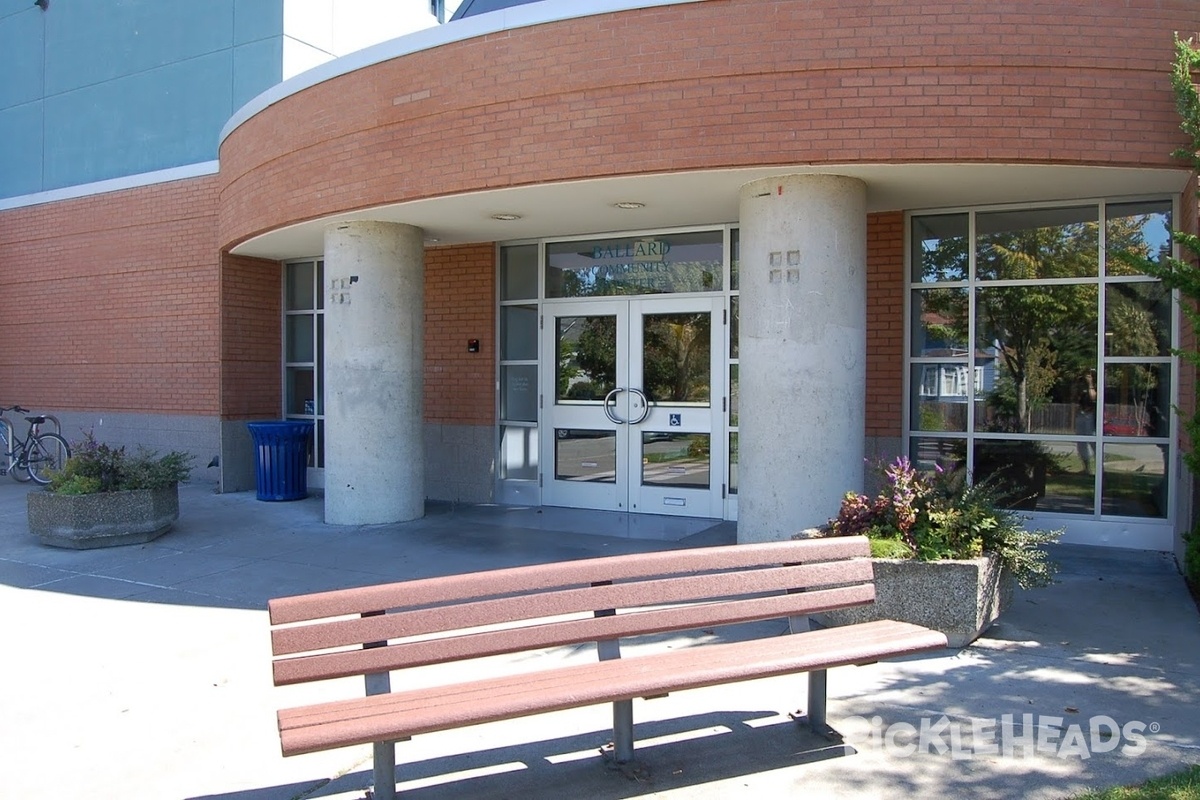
(320, 286)
(1042, 476)
(733, 395)
(676, 459)
(318, 451)
(1035, 347)
(1136, 231)
(734, 319)
(665, 263)
(1134, 480)
(300, 396)
(1137, 319)
(586, 456)
(733, 463)
(928, 454)
(735, 257)
(300, 290)
(676, 364)
(300, 338)
(940, 318)
(1136, 399)
(586, 360)
(518, 333)
(939, 400)
(939, 248)
(320, 365)
(518, 453)
(518, 393)
(519, 272)
(1038, 243)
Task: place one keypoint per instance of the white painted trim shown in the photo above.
(111, 185)
(507, 19)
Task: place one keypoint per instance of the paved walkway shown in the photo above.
(143, 672)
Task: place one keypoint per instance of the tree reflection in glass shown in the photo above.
(586, 361)
(676, 367)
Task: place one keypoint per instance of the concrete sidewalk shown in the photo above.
(143, 672)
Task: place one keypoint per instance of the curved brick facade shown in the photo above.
(656, 90)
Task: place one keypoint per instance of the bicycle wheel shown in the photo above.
(47, 453)
(17, 466)
(6, 457)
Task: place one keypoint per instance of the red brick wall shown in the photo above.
(460, 304)
(251, 338)
(110, 302)
(719, 84)
(885, 324)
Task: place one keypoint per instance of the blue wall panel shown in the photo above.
(256, 19)
(125, 86)
(152, 120)
(22, 45)
(256, 67)
(21, 149)
(90, 42)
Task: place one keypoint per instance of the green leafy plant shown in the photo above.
(1183, 274)
(940, 515)
(95, 467)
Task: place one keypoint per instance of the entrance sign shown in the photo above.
(635, 265)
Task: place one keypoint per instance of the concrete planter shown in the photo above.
(959, 598)
(106, 519)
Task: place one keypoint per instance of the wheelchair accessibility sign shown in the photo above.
(677, 420)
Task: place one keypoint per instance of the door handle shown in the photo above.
(611, 414)
(645, 407)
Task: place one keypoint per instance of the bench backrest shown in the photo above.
(375, 629)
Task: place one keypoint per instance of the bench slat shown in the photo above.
(430, 591)
(408, 713)
(346, 632)
(358, 662)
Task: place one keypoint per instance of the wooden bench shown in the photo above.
(374, 630)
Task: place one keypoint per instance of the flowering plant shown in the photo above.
(95, 467)
(940, 515)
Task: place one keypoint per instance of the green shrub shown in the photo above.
(942, 516)
(1191, 558)
(94, 467)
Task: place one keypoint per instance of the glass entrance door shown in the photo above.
(633, 405)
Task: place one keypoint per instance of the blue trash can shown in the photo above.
(281, 458)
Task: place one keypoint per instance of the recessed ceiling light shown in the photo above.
(506, 217)
(629, 205)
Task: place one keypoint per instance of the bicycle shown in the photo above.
(37, 454)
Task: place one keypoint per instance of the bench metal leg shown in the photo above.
(385, 771)
(817, 698)
(817, 686)
(623, 731)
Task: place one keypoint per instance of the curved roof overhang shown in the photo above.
(711, 197)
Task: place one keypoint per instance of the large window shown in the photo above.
(304, 349)
(518, 362)
(1067, 345)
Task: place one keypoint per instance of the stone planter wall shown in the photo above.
(102, 520)
(959, 598)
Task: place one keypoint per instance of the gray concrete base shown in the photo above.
(188, 433)
(959, 598)
(459, 462)
(107, 519)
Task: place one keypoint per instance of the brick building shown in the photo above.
(677, 258)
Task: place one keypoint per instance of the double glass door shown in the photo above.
(633, 405)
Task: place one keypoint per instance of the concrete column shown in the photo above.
(802, 348)
(374, 362)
